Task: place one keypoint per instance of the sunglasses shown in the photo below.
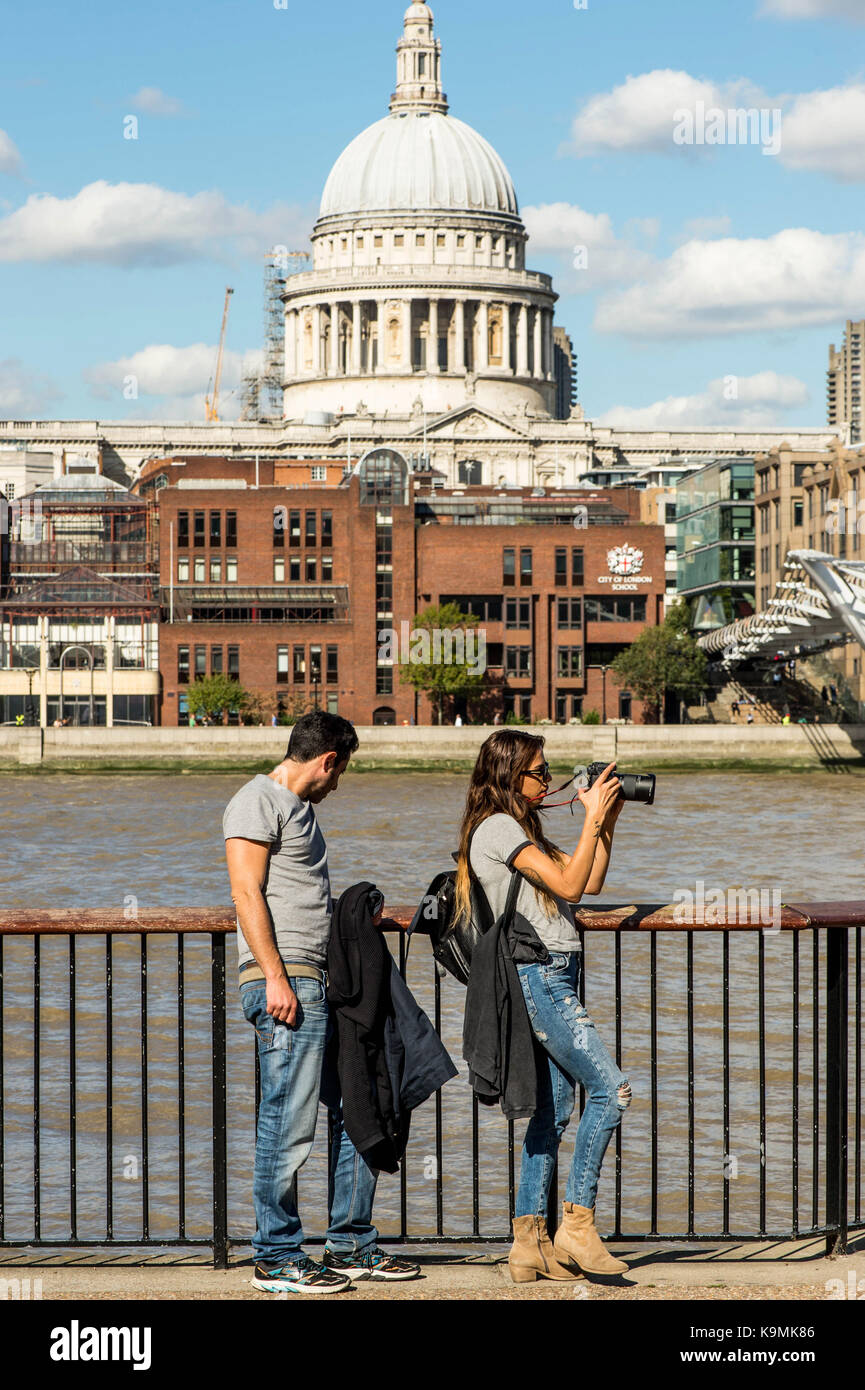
(540, 774)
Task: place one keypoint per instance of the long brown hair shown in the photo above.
(502, 762)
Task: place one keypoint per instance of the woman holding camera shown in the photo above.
(501, 833)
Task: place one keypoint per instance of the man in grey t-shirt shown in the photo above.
(277, 863)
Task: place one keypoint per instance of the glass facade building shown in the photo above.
(715, 542)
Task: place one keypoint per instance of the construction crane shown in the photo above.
(211, 402)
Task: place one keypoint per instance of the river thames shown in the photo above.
(139, 842)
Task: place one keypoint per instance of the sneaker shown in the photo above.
(303, 1277)
(371, 1264)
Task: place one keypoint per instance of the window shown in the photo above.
(282, 665)
(311, 528)
(420, 239)
(479, 242)
(234, 663)
(294, 529)
(577, 571)
(360, 243)
(182, 665)
(518, 662)
(377, 240)
(509, 569)
(798, 513)
(327, 529)
(200, 663)
(568, 707)
(279, 570)
(183, 530)
(231, 571)
(278, 528)
(333, 665)
(441, 240)
(294, 569)
(231, 530)
(183, 571)
(199, 570)
(615, 610)
(518, 614)
(525, 567)
(299, 665)
(421, 65)
(216, 571)
(570, 612)
(327, 569)
(399, 239)
(199, 530)
(561, 568)
(312, 570)
(216, 661)
(216, 529)
(570, 663)
(319, 473)
(384, 681)
(315, 665)
(525, 703)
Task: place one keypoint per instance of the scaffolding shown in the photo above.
(262, 391)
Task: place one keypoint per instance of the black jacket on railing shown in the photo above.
(498, 1040)
(388, 1057)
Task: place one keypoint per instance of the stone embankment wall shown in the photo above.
(799, 746)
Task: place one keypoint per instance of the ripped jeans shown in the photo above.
(574, 1055)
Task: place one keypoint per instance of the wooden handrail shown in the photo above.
(191, 921)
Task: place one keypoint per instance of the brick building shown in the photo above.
(287, 583)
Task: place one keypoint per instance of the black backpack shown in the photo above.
(453, 942)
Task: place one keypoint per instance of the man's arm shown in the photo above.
(247, 870)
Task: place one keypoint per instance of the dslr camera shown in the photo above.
(636, 786)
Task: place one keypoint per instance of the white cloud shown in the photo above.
(24, 392)
(164, 370)
(156, 103)
(797, 278)
(755, 402)
(814, 9)
(640, 114)
(572, 233)
(140, 224)
(820, 130)
(826, 131)
(10, 159)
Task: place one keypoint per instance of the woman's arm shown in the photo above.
(569, 878)
(603, 850)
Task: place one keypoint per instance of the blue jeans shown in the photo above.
(574, 1054)
(290, 1062)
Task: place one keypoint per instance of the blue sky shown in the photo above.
(715, 277)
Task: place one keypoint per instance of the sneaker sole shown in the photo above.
(361, 1274)
(272, 1286)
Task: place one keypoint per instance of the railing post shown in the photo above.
(836, 1089)
(220, 1116)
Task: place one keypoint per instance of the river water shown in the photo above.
(106, 842)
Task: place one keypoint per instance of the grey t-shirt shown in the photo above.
(495, 845)
(297, 888)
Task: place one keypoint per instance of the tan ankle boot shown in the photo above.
(532, 1255)
(578, 1242)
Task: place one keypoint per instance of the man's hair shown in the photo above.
(319, 733)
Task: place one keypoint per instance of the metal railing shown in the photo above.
(820, 1091)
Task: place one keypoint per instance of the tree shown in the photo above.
(215, 695)
(664, 658)
(442, 639)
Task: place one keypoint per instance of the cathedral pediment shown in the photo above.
(473, 422)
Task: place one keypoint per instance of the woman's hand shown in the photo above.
(601, 798)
